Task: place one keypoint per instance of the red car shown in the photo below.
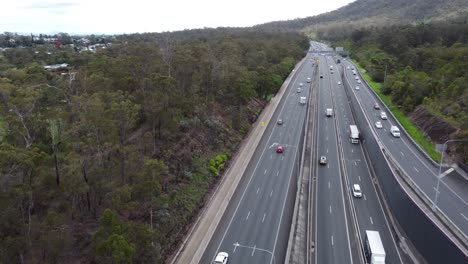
(279, 149)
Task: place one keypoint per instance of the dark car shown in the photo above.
(376, 106)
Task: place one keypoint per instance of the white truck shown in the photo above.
(303, 100)
(395, 131)
(373, 248)
(329, 112)
(354, 134)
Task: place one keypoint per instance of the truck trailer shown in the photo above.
(354, 134)
(373, 248)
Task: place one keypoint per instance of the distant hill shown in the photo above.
(379, 13)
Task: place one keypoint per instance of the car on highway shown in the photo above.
(357, 191)
(331, 72)
(378, 124)
(301, 84)
(376, 106)
(357, 88)
(323, 160)
(299, 89)
(356, 78)
(279, 122)
(358, 81)
(321, 76)
(347, 68)
(308, 79)
(279, 149)
(383, 115)
(339, 83)
(221, 258)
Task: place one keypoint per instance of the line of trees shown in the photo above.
(425, 65)
(111, 162)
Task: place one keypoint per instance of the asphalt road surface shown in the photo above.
(255, 227)
(368, 212)
(453, 194)
(333, 231)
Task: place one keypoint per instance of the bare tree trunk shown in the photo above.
(57, 174)
(30, 205)
(85, 177)
(154, 136)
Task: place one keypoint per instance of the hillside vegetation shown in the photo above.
(376, 13)
(110, 162)
(426, 65)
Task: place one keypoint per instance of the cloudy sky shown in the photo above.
(124, 16)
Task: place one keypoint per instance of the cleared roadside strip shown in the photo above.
(199, 236)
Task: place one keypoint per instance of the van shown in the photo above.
(383, 115)
(395, 131)
(329, 112)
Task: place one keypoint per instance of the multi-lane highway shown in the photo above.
(334, 233)
(255, 226)
(367, 211)
(453, 196)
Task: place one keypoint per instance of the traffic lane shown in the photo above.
(369, 213)
(368, 208)
(334, 78)
(367, 97)
(332, 244)
(212, 248)
(456, 208)
(248, 223)
(252, 202)
(259, 233)
(458, 214)
(423, 176)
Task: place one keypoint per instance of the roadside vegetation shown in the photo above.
(111, 160)
(412, 130)
(425, 66)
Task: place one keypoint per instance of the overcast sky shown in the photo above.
(124, 16)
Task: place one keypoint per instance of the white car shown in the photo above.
(347, 68)
(339, 83)
(378, 124)
(357, 88)
(301, 84)
(383, 115)
(221, 258)
(358, 81)
(357, 191)
(299, 90)
(356, 78)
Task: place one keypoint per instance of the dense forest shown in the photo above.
(425, 65)
(109, 161)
